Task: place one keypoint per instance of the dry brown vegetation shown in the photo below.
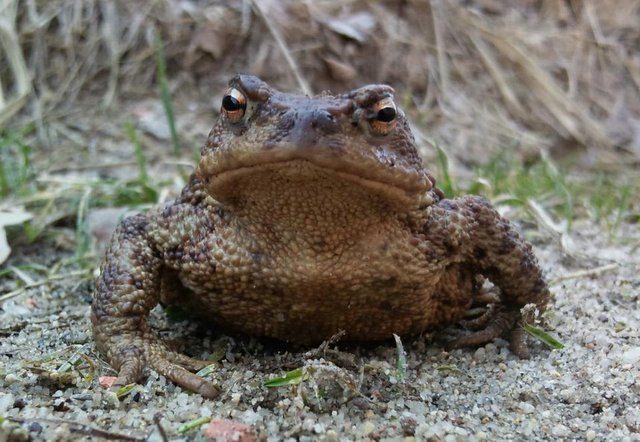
(482, 75)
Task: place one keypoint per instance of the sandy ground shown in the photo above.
(588, 391)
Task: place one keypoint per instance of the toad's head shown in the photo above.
(355, 145)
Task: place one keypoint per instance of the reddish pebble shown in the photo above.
(228, 430)
(107, 381)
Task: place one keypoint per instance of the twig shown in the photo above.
(323, 348)
(493, 68)
(19, 291)
(77, 427)
(443, 66)
(163, 434)
(81, 167)
(22, 275)
(593, 24)
(20, 75)
(583, 273)
(111, 34)
(559, 230)
(275, 32)
(114, 165)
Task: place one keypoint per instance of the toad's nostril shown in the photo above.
(322, 119)
(326, 115)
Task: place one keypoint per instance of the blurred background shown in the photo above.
(106, 103)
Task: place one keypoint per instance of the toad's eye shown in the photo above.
(234, 104)
(385, 116)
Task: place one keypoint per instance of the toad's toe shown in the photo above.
(183, 377)
(501, 323)
(131, 360)
(185, 361)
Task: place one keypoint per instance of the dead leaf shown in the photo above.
(339, 70)
(356, 27)
(10, 219)
(210, 41)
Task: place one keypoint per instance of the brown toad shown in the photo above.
(307, 216)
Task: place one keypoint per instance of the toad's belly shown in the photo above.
(308, 311)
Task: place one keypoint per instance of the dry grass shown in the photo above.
(14, 64)
(551, 75)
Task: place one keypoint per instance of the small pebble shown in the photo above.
(527, 408)
(560, 430)
(10, 378)
(367, 427)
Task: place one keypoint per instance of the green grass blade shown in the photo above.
(543, 336)
(621, 209)
(293, 377)
(187, 427)
(124, 390)
(137, 148)
(445, 183)
(401, 360)
(165, 94)
(559, 184)
(206, 371)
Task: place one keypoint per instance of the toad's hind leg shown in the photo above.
(493, 248)
(126, 291)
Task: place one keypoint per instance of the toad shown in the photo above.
(307, 216)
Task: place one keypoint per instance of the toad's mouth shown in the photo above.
(225, 173)
(273, 177)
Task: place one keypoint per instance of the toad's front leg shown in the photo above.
(126, 291)
(492, 247)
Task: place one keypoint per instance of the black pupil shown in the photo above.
(230, 103)
(386, 114)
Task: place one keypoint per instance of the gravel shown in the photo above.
(590, 390)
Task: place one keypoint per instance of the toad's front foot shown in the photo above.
(130, 355)
(498, 321)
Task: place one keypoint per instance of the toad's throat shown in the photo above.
(312, 211)
(298, 179)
